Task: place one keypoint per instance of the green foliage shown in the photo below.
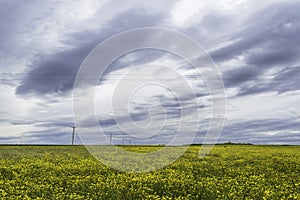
(228, 172)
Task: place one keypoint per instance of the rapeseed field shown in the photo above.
(228, 172)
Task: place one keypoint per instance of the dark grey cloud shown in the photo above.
(258, 131)
(104, 121)
(236, 77)
(7, 138)
(107, 122)
(287, 80)
(46, 123)
(283, 81)
(269, 42)
(52, 136)
(46, 133)
(55, 73)
(138, 57)
(55, 131)
(270, 37)
(50, 131)
(112, 121)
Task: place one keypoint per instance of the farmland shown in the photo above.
(228, 172)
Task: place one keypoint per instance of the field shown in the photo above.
(228, 172)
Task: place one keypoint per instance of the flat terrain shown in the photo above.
(228, 172)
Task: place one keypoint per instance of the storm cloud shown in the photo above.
(55, 73)
(254, 45)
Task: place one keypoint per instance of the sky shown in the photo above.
(254, 45)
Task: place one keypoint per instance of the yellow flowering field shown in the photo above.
(228, 172)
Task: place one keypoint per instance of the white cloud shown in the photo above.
(263, 106)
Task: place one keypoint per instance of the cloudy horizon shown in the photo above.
(254, 45)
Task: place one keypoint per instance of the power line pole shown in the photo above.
(73, 135)
(110, 139)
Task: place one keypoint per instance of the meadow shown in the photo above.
(228, 172)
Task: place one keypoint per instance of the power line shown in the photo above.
(118, 74)
(151, 77)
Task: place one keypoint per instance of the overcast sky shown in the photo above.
(254, 44)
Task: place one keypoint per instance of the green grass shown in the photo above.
(228, 172)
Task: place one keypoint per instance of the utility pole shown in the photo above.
(110, 139)
(73, 134)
